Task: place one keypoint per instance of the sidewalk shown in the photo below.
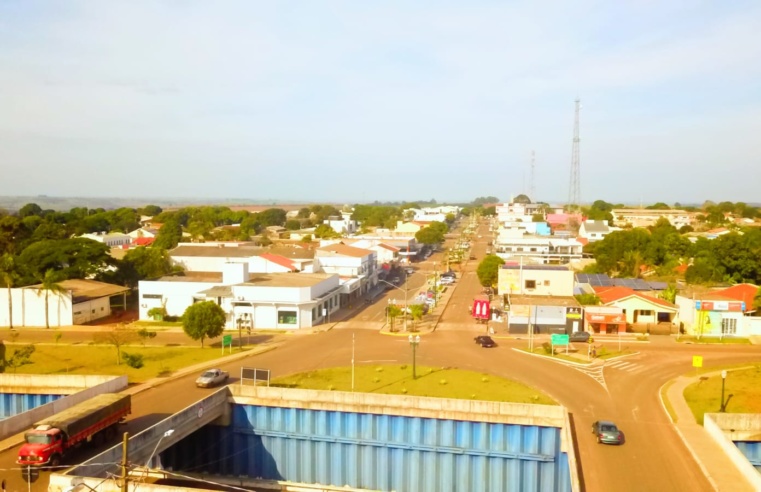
(717, 467)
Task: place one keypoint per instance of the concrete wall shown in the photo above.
(84, 312)
(715, 423)
(178, 295)
(79, 389)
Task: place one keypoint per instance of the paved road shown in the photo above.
(626, 391)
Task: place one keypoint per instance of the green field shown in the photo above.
(102, 360)
(431, 381)
(744, 385)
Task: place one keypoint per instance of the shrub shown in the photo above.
(135, 361)
(547, 346)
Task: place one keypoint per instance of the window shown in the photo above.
(152, 296)
(546, 283)
(728, 326)
(645, 312)
(531, 284)
(286, 317)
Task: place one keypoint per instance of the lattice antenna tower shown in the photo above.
(532, 189)
(574, 191)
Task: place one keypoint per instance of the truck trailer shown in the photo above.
(53, 438)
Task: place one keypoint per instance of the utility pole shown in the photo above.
(352, 361)
(574, 190)
(125, 449)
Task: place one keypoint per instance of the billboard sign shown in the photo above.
(735, 306)
(481, 309)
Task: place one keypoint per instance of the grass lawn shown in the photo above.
(714, 339)
(744, 384)
(101, 360)
(431, 381)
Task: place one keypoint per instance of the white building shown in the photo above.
(541, 249)
(111, 240)
(594, 230)
(642, 217)
(344, 224)
(535, 280)
(258, 301)
(143, 232)
(211, 256)
(83, 301)
(357, 267)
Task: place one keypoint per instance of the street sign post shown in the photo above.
(227, 341)
(559, 339)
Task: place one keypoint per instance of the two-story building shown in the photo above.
(542, 249)
(343, 224)
(539, 298)
(283, 301)
(643, 217)
(357, 268)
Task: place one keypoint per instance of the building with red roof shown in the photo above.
(640, 309)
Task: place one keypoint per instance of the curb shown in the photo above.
(560, 361)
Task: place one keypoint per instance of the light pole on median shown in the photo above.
(406, 277)
(414, 342)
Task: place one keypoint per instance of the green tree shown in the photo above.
(483, 200)
(143, 263)
(429, 235)
(658, 206)
(9, 273)
(488, 270)
(757, 302)
(669, 295)
(293, 225)
(169, 235)
(203, 320)
(149, 210)
(306, 238)
(304, 213)
(119, 336)
(588, 299)
(30, 209)
(50, 284)
(537, 218)
(20, 357)
(324, 231)
(71, 258)
(272, 217)
(416, 311)
(393, 312)
(489, 211)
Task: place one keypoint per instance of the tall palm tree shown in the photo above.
(50, 283)
(9, 273)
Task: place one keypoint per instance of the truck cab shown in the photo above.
(44, 444)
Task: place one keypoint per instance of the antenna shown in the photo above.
(574, 191)
(532, 190)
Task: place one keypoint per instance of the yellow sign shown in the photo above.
(697, 361)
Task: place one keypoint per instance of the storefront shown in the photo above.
(603, 319)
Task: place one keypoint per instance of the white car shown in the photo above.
(212, 377)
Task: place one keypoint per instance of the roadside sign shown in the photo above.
(559, 339)
(697, 361)
(227, 341)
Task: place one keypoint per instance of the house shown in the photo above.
(357, 267)
(343, 225)
(408, 228)
(283, 301)
(543, 315)
(110, 239)
(384, 253)
(143, 232)
(275, 231)
(535, 280)
(81, 302)
(594, 230)
(723, 312)
(605, 319)
(643, 312)
(301, 256)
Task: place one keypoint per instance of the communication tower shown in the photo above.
(574, 191)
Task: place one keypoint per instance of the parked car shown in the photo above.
(450, 273)
(409, 270)
(607, 432)
(579, 336)
(212, 377)
(446, 281)
(485, 341)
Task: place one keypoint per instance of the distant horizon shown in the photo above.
(137, 202)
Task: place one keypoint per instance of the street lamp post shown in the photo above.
(723, 406)
(414, 342)
(165, 434)
(406, 278)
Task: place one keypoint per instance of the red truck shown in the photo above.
(94, 419)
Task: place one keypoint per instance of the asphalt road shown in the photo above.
(652, 459)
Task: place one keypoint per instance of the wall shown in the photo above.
(84, 312)
(513, 280)
(714, 424)
(178, 295)
(29, 308)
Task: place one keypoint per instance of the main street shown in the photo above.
(653, 457)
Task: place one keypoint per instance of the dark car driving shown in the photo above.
(485, 341)
(607, 432)
(579, 336)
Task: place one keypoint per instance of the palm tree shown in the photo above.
(9, 273)
(50, 283)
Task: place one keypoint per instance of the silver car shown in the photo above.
(212, 377)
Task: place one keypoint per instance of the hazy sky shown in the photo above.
(380, 100)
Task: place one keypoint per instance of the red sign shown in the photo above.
(481, 309)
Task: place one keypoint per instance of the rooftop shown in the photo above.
(87, 290)
(568, 301)
(216, 251)
(345, 250)
(286, 279)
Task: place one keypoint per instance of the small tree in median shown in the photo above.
(119, 336)
(203, 320)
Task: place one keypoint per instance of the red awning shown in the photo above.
(607, 318)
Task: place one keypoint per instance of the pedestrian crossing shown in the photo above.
(631, 366)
